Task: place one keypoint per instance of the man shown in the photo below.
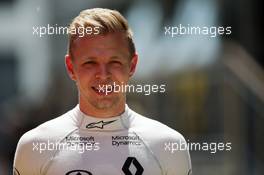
(101, 135)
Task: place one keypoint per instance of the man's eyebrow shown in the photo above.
(115, 57)
(90, 58)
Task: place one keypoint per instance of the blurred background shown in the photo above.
(214, 86)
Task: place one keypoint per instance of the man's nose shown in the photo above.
(103, 72)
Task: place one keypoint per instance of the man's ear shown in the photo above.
(69, 67)
(133, 64)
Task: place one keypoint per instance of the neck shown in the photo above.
(91, 110)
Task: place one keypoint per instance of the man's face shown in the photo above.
(100, 61)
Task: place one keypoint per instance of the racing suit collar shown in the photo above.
(90, 123)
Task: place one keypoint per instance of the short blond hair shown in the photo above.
(106, 21)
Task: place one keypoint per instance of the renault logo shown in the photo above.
(127, 164)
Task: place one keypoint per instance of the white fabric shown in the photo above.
(77, 144)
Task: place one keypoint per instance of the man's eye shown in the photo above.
(90, 62)
(116, 62)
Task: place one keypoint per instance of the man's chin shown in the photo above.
(104, 104)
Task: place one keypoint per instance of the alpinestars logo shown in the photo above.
(15, 171)
(99, 124)
(79, 172)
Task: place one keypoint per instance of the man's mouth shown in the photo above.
(103, 89)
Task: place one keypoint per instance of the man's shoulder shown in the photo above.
(155, 130)
(52, 129)
(164, 143)
(32, 144)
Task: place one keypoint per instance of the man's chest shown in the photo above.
(117, 153)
